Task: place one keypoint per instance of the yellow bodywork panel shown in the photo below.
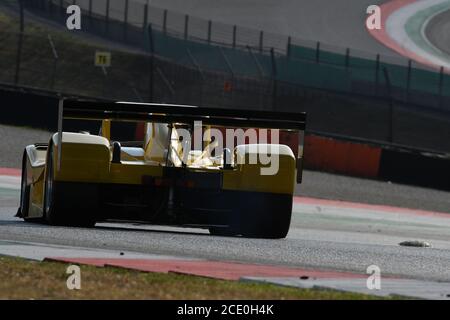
(82, 163)
(37, 195)
(106, 129)
(35, 176)
(84, 158)
(252, 177)
(87, 158)
(132, 172)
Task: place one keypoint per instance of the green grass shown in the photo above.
(24, 279)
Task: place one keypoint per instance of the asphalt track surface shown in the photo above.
(315, 241)
(341, 241)
(335, 22)
(438, 31)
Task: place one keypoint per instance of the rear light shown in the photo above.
(186, 184)
(164, 182)
(160, 182)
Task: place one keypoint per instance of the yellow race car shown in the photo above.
(232, 172)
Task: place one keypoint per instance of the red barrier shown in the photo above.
(326, 154)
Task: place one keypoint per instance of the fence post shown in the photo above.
(186, 26)
(347, 58)
(145, 17)
(165, 21)
(234, 35)
(50, 8)
(105, 81)
(377, 74)
(61, 9)
(209, 30)
(166, 82)
(274, 79)
(20, 43)
(288, 48)
(261, 40)
(55, 57)
(195, 63)
(408, 80)
(390, 137)
(200, 72)
(227, 62)
(90, 14)
(107, 17)
(125, 21)
(258, 65)
(231, 71)
(151, 61)
(441, 85)
(318, 52)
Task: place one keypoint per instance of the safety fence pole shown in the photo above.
(261, 41)
(209, 30)
(377, 74)
(441, 85)
(136, 93)
(145, 17)
(90, 14)
(50, 8)
(258, 65)
(55, 61)
(318, 52)
(61, 9)
(151, 61)
(234, 35)
(200, 72)
(105, 81)
(186, 26)
(108, 4)
(227, 62)
(166, 82)
(390, 137)
(125, 21)
(274, 79)
(165, 21)
(288, 47)
(195, 63)
(347, 58)
(408, 80)
(20, 43)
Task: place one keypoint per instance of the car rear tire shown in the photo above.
(222, 231)
(255, 215)
(55, 212)
(52, 213)
(266, 216)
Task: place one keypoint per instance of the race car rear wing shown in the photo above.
(152, 112)
(170, 113)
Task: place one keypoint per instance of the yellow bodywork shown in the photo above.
(87, 158)
(249, 177)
